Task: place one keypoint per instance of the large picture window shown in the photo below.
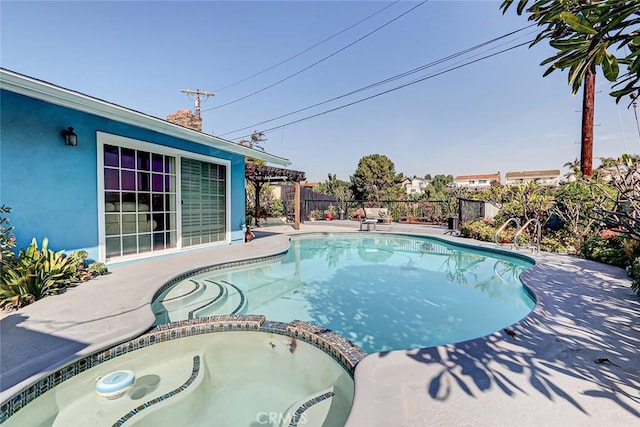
(140, 201)
(203, 194)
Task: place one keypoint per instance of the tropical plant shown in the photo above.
(611, 248)
(266, 199)
(97, 268)
(574, 205)
(479, 229)
(526, 201)
(277, 207)
(37, 273)
(617, 200)
(634, 273)
(316, 214)
(7, 240)
(338, 189)
(574, 169)
(553, 243)
(589, 35)
(331, 210)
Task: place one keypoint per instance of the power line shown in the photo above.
(309, 48)
(387, 80)
(395, 88)
(321, 60)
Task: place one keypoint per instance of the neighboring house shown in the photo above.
(476, 182)
(133, 186)
(549, 178)
(414, 185)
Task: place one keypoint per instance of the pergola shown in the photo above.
(259, 175)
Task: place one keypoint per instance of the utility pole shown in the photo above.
(586, 148)
(197, 93)
(588, 98)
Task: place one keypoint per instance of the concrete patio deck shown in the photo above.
(575, 360)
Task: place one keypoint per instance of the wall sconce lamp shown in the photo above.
(70, 137)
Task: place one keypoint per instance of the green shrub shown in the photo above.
(7, 240)
(479, 229)
(634, 273)
(277, 208)
(613, 250)
(37, 273)
(97, 269)
(552, 244)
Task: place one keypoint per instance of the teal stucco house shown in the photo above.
(92, 175)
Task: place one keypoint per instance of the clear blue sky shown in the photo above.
(499, 114)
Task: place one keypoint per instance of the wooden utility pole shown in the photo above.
(296, 202)
(588, 101)
(197, 94)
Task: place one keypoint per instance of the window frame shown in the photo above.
(102, 139)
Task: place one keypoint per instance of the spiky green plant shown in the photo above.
(37, 273)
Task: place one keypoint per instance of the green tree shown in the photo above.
(588, 35)
(334, 187)
(526, 201)
(574, 169)
(574, 206)
(266, 199)
(375, 179)
(617, 201)
(440, 183)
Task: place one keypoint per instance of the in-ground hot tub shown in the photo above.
(255, 373)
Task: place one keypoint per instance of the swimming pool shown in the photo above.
(383, 292)
(227, 371)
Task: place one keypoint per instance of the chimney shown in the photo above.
(186, 119)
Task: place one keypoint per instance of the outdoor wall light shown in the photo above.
(70, 137)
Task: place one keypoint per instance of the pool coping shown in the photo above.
(340, 349)
(400, 387)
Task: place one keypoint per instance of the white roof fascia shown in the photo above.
(48, 92)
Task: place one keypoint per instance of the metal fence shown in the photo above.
(469, 209)
(423, 211)
(453, 212)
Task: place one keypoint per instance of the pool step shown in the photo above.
(156, 386)
(312, 411)
(235, 301)
(174, 406)
(183, 293)
(193, 297)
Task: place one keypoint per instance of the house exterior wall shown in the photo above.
(477, 184)
(551, 181)
(415, 186)
(53, 189)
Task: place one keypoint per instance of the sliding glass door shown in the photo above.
(204, 201)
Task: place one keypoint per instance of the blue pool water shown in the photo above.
(383, 292)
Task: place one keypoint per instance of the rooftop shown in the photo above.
(482, 176)
(49, 92)
(533, 174)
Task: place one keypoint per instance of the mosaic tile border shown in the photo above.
(194, 374)
(343, 351)
(243, 297)
(308, 404)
